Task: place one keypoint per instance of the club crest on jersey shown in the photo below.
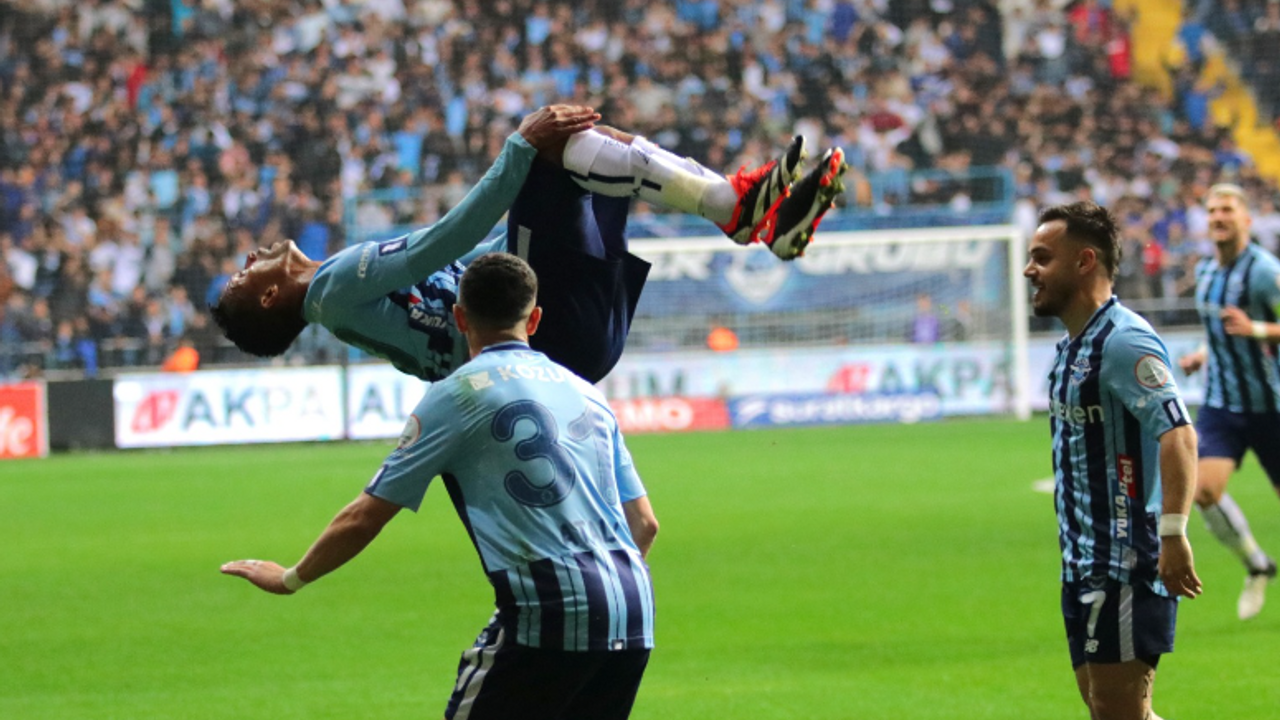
(392, 246)
(1080, 370)
(1151, 372)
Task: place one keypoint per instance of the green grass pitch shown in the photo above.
(861, 572)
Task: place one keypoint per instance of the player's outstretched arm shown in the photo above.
(1178, 483)
(349, 533)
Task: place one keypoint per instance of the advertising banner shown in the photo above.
(670, 414)
(966, 378)
(228, 407)
(24, 431)
(754, 411)
(379, 400)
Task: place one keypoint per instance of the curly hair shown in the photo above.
(1091, 224)
(265, 332)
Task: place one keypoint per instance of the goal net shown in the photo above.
(934, 310)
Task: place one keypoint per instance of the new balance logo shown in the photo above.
(1091, 646)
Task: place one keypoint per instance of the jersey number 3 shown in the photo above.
(541, 445)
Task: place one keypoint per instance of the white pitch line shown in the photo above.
(1043, 486)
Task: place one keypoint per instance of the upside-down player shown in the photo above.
(392, 298)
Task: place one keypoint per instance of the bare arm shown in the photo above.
(349, 533)
(643, 524)
(1178, 483)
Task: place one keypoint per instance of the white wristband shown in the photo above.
(1173, 525)
(293, 583)
(1260, 330)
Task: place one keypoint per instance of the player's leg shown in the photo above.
(612, 163)
(1116, 634)
(611, 691)
(1120, 691)
(1224, 437)
(499, 679)
(588, 284)
(1263, 431)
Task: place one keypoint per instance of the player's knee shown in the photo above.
(1207, 495)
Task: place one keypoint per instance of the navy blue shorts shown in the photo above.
(500, 680)
(588, 284)
(1226, 434)
(1117, 623)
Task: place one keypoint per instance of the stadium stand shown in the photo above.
(147, 145)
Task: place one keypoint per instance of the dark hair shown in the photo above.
(265, 332)
(1091, 224)
(497, 290)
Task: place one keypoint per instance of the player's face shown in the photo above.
(1229, 219)
(1051, 269)
(265, 268)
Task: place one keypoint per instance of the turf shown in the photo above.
(863, 572)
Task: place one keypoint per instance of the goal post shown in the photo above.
(941, 310)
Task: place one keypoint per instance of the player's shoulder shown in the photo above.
(1264, 261)
(1130, 330)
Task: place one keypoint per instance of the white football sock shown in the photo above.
(613, 168)
(1227, 523)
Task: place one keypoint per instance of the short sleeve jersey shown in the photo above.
(538, 471)
(394, 299)
(1111, 397)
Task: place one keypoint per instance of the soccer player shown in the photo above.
(1124, 456)
(535, 465)
(1238, 298)
(392, 299)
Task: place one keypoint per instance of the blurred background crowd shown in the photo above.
(146, 146)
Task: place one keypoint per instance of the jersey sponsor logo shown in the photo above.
(426, 319)
(392, 246)
(1125, 475)
(363, 268)
(1076, 414)
(1151, 372)
(1080, 370)
(410, 434)
(1122, 516)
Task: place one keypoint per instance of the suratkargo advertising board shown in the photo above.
(23, 421)
(228, 407)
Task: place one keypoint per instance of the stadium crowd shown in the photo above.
(146, 146)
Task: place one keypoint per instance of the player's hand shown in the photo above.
(1191, 362)
(1177, 567)
(265, 574)
(548, 128)
(1235, 322)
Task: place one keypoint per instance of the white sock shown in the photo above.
(1227, 523)
(613, 168)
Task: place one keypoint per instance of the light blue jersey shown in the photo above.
(393, 299)
(1242, 375)
(1111, 397)
(535, 465)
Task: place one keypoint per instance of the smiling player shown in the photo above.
(1124, 466)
